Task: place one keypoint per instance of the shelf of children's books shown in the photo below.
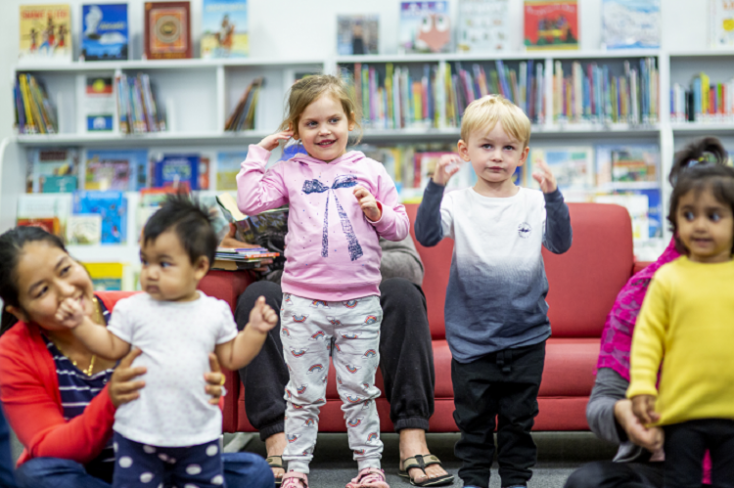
(701, 53)
(596, 129)
(628, 185)
(147, 139)
(713, 128)
(182, 64)
(104, 253)
(435, 58)
(611, 54)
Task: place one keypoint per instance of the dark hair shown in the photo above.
(11, 248)
(716, 178)
(702, 150)
(192, 223)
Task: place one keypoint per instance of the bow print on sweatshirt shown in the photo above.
(341, 181)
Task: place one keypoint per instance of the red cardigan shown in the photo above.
(29, 391)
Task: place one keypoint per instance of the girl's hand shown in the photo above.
(447, 166)
(651, 438)
(262, 317)
(643, 407)
(368, 203)
(214, 380)
(122, 388)
(272, 141)
(70, 313)
(545, 178)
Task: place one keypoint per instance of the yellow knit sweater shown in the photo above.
(687, 322)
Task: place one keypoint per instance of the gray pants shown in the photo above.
(309, 330)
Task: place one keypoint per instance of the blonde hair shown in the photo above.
(307, 90)
(485, 112)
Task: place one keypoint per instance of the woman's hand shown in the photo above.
(214, 380)
(651, 438)
(122, 388)
(271, 141)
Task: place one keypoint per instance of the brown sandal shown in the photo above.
(420, 461)
(276, 462)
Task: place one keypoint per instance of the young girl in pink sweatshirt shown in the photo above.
(340, 204)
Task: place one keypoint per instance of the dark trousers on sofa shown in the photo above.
(501, 385)
(406, 359)
(685, 446)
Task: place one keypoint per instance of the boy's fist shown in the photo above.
(70, 313)
(271, 141)
(447, 166)
(545, 178)
(262, 316)
(368, 203)
(643, 406)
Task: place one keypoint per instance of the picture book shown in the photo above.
(721, 23)
(167, 30)
(177, 170)
(106, 276)
(99, 104)
(52, 225)
(425, 27)
(52, 170)
(150, 200)
(105, 34)
(483, 26)
(645, 208)
(228, 165)
(84, 229)
(45, 33)
(551, 24)
(357, 34)
(572, 166)
(627, 166)
(225, 29)
(204, 171)
(267, 229)
(111, 206)
(116, 169)
(631, 24)
(49, 211)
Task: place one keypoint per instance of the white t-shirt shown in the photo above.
(176, 338)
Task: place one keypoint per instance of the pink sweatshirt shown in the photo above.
(332, 250)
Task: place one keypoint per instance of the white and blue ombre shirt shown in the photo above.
(495, 298)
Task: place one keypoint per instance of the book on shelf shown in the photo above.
(551, 24)
(483, 26)
(52, 170)
(116, 169)
(703, 101)
(105, 32)
(631, 24)
(180, 171)
(425, 27)
(628, 166)
(426, 163)
(204, 172)
(357, 34)
(225, 31)
(34, 112)
(721, 23)
(49, 211)
(137, 105)
(45, 33)
(266, 229)
(243, 115)
(168, 30)
(52, 225)
(106, 276)
(84, 229)
(111, 206)
(644, 207)
(150, 200)
(572, 167)
(98, 104)
(228, 165)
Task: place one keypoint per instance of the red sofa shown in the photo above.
(583, 285)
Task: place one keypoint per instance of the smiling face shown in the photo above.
(494, 155)
(706, 227)
(324, 127)
(167, 273)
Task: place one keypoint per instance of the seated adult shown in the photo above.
(406, 361)
(6, 463)
(639, 459)
(59, 398)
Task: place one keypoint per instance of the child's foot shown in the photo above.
(369, 478)
(294, 479)
(275, 445)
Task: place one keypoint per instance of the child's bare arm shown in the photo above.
(238, 352)
(95, 337)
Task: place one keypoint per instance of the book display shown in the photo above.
(105, 34)
(357, 34)
(721, 24)
(225, 29)
(551, 24)
(631, 24)
(483, 26)
(425, 27)
(168, 30)
(45, 33)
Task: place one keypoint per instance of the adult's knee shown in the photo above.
(587, 476)
(401, 289)
(45, 471)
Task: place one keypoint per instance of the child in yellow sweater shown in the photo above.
(687, 322)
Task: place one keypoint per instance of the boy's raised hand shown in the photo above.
(262, 316)
(545, 178)
(643, 407)
(447, 166)
(368, 203)
(70, 313)
(271, 141)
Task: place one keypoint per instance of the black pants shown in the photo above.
(406, 359)
(685, 445)
(505, 385)
(608, 474)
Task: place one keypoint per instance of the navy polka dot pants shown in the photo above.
(140, 465)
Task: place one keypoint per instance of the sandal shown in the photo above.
(420, 461)
(276, 462)
(369, 478)
(294, 479)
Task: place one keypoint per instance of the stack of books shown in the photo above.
(243, 258)
(34, 113)
(243, 116)
(137, 106)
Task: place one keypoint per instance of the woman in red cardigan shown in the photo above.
(58, 397)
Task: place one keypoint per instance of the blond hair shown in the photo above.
(307, 90)
(485, 112)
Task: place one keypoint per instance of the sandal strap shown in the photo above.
(420, 461)
(275, 461)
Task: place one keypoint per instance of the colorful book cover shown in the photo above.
(572, 166)
(551, 24)
(178, 171)
(225, 29)
(51, 225)
(99, 174)
(425, 27)
(631, 24)
(99, 104)
(111, 206)
(228, 165)
(45, 33)
(721, 23)
(53, 170)
(168, 30)
(84, 229)
(357, 34)
(45, 207)
(106, 276)
(627, 166)
(483, 26)
(204, 169)
(105, 34)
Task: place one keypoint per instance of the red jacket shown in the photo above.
(29, 391)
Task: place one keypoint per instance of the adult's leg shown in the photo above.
(47, 472)
(721, 445)
(685, 446)
(608, 474)
(6, 462)
(246, 470)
